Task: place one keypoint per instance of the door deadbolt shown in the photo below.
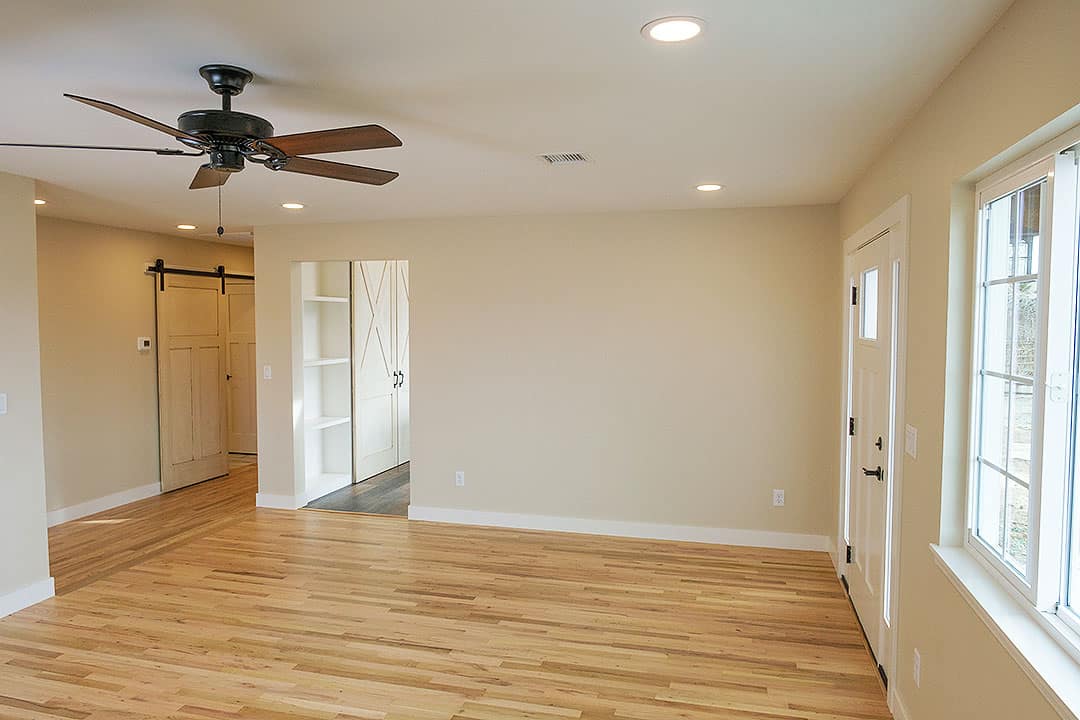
(878, 443)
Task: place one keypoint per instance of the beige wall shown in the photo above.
(665, 367)
(1022, 76)
(100, 395)
(24, 558)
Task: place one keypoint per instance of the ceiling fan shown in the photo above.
(231, 138)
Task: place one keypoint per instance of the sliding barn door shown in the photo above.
(401, 348)
(191, 381)
(375, 412)
(240, 365)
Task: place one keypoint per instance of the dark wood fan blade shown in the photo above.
(361, 137)
(208, 177)
(156, 151)
(134, 117)
(338, 171)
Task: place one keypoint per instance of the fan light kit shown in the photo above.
(186, 227)
(710, 187)
(39, 201)
(293, 206)
(230, 138)
(673, 29)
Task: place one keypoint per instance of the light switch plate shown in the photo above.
(911, 441)
(267, 373)
(3, 403)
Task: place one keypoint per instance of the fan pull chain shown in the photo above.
(220, 229)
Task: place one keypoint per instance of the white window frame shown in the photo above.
(1044, 586)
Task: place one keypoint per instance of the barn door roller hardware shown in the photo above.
(162, 270)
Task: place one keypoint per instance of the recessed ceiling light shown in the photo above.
(186, 227)
(39, 201)
(293, 206)
(710, 187)
(673, 29)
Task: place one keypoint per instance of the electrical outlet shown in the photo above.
(916, 668)
(459, 478)
(778, 498)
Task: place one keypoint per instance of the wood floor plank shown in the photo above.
(195, 606)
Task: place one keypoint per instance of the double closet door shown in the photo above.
(380, 365)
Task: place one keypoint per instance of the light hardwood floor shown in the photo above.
(278, 615)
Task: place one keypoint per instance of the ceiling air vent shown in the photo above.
(565, 158)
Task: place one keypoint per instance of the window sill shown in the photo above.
(1037, 642)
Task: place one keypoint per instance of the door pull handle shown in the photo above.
(878, 473)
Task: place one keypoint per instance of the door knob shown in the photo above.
(878, 473)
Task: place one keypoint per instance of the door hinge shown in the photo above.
(851, 427)
(849, 553)
(854, 295)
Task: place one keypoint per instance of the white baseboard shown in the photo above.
(899, 710)
(26, 596)
(278, 502)
(74, 512)
(619, 528)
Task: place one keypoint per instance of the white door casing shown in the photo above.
(870, 516)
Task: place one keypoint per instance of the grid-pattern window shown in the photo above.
(1010, 322)
(1024, 504)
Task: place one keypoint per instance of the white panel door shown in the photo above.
(191, 381)
(870, 397)
(240, 365)
(375, 412)
(401, 348)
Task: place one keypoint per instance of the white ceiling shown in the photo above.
(782, 101)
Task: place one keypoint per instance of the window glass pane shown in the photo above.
(995, 421)
(1026, 328)
(870, 304)
(991, 506)
(999, 237)
(1027, 244)
(1016, 524)
(1020, 407)
(998, 328)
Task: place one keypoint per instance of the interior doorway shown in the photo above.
(357, 385)
(206, 373)
(872, 455)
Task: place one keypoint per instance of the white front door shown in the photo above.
(376, 368)
(869, 479)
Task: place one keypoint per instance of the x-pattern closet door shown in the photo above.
(375, 362)
(401, 335)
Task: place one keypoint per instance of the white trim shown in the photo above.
(895, 221)
(101, 504)
(278, 502)
(1064, 141)
(26, 596)
(897, 706)
(620, 528)
(1021, 630)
